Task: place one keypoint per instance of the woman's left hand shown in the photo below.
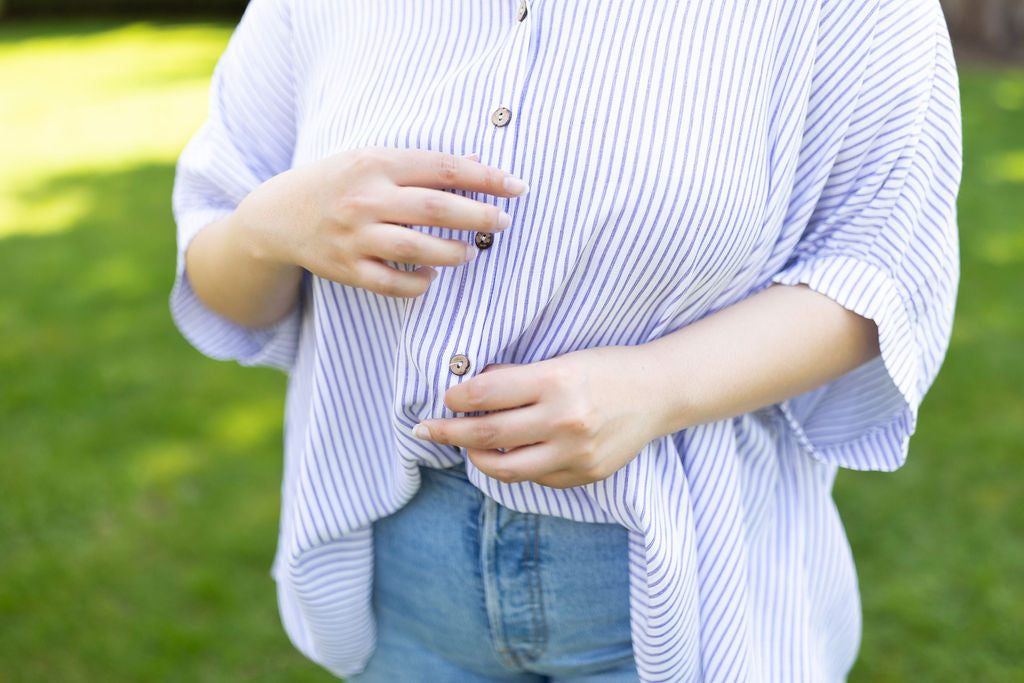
(567, 421)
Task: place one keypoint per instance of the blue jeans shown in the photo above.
(467, 590)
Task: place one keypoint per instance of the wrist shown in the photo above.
(260, 223)
(663, 389)
(649, 382)
(244, 228)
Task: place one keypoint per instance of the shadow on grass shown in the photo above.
(139, 494)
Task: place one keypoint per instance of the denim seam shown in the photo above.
(488, 540)
(530, 564)
(539, 635)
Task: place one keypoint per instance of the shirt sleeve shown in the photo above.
(881, 235)
(248, 137)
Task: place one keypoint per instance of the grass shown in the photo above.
(139, 485)
(938, 543)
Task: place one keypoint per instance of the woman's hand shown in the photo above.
(563, 422)
(343, 218)
(580, 417)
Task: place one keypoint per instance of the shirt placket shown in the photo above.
(468, 350)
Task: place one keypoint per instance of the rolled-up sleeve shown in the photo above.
(881, 238)
(248, 138)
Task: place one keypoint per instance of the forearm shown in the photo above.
(229, 271)
(774, 345)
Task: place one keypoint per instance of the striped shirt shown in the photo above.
(682, 156)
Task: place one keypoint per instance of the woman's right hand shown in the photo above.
(343, 218)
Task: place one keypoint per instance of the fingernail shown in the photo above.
(515, 186)
(421, 432)
(471, 253)
(472, 157)
(504, 220)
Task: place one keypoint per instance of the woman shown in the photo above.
(732, 271)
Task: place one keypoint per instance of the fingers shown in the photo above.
(426, 168)
(400, 244)
(508, 386)
(382, 279)
(538, 463)
(505, 429)
(423, 206)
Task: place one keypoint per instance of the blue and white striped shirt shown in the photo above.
(681, 155)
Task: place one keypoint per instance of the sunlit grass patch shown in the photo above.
(97, 99)
(1008, 166)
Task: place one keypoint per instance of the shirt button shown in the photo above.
(522, 10)
(484, 240)
(501, 117)
(459, 364)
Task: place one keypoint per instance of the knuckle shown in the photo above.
(505, 474)
(494, 181)
(485, 436)
(594, 472)
(385, 282)
(447, 169)
(435, 208)
(476, 394)
(439, 434)
(346, 275)
(578, 420)
(334, 258)
(404, 249)
(586, 457)
(559, 377)
(352, 208)
(367, 160)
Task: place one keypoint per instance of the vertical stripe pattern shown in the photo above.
(681, 155)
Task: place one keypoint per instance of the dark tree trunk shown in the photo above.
(993, 26)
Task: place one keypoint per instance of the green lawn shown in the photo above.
(139, 481)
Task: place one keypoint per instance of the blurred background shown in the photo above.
(139, 481)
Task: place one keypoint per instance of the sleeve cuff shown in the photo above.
(864, 419)
(213, 334)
